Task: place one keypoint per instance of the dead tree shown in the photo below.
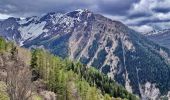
(18, 80)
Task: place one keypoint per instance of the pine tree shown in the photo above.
(2, 44)
(34, 65)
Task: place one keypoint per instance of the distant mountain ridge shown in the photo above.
(128, 57)
(155, 32)
(162, 37)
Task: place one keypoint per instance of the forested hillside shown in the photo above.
(45, 76)
(62, 76)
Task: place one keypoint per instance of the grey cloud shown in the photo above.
(148, 21)
(147, 12)
(115, 7)
(137, 15)
(131, 10)
(161, 10)
(26, 7)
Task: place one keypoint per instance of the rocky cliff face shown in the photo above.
(132, 60)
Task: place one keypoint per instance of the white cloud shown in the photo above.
(144, 6)
(163, 3)
(116, 17)
(144, 23)
(4, 16)
(147, 6)
(162, 16)
(142, 29)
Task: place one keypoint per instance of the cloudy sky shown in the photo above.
(142, 15)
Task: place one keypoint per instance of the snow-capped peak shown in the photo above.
(82, 10)
(155, 32)
(32, 27)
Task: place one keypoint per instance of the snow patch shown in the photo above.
(56, 18)
(24, 20)
(32, 31)
(80, 11)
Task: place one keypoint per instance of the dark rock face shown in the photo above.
(123, 54)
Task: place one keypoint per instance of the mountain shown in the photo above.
(155, 32)
(161, 37)
(126, 56)
(39, 75)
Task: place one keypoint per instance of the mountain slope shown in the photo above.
(123, 54)
(161, 37)
(52, 78)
